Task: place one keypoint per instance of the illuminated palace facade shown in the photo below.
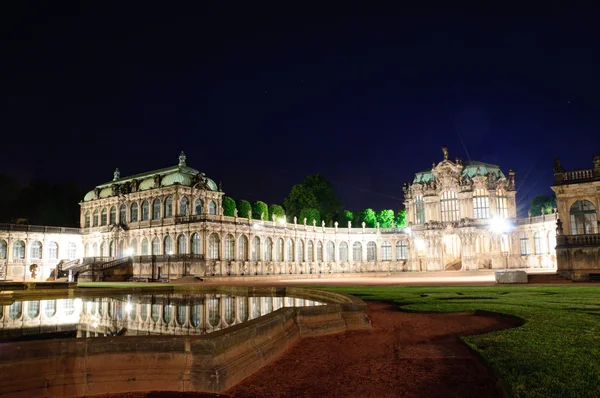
(170, 223)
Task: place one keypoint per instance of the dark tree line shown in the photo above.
(41, 202)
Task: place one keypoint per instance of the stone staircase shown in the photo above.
(454, 265)
(553, 278)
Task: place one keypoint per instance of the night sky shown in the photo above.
(259, 98)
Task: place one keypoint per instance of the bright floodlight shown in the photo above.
(282, 220)
(499, 225)
(129, 251)
(408, 230)
(128, 307)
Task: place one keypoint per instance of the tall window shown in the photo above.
(145, 211)
(36, 250)
(300, 250)
(386, 251)
(481, 205)
(197, 207)
(229, 247)
(310, 251)
(401, 250)
(268, 249)
(103, 217)
(181, 245)
(319, 251)
(419, 210)
(53, 251)
(330, 251)
(133, 245)
(255, 248)
(357, 251)
(524, 244)
(212, 207)
(87, 219)
(169, 207)
(449, 206)
(289, 248)
(243, 248)
(95, 221)
(184, 206)
(156, 209)
(195, 243)
(168, 245)
(501, 204)
(123, 214)
(155, 245)
(19, 249)
(134, 212)
(537, 242)
(213, 247)
(583, 218)
(113, 215)
(343, 251)
(279, 250)
(3, 249)
(33, 309)
(371, 251)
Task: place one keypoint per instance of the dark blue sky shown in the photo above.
(259, 98)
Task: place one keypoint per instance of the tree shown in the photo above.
(229, 207)
(367, 216)
(385, 218)
(310, 215)
(328, 202)
(298, 199)
(259, 208)
(401, 218)
(243, 207)
(542, 202)
(277, 211)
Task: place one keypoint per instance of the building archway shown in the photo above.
(451, 252)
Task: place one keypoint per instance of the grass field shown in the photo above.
(555, 354)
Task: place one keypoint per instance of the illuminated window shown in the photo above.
(371, 251)
(401, 250)
(279, 250)
(123, 214)
(310, 251)
(103, 217)
(243, 248)
(198, 207)
(133, 246)
(481, 205)
(213, 247)
(255, 248)
(319, 251)
(501, 204)
(419, 210)
(184, 206)
(155, 246)
(449, 206)
(524, 244)
(330, 251)
(168, 245)
(3, 249)
(134, 212)
(87, 219)
(145, 210)
(181, 245)
(33, 309)
(386, 251)
(195, 243)
(36, 250)
(53, 251)
(583, 218)
(268, 249)
(537, 242)
(71, 250)
(357, 251)
(343, 251)
(300, 250)
(95, 218)
(113, 215)
(169, 207)
(229, 247)
(290, 250)
(156, 209)
(212, 207)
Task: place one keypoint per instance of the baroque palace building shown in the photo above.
(169, 223)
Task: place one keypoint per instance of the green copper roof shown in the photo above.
(484, 169)
(423, 177)
(88, 196)
(106, 192)
(176, 178)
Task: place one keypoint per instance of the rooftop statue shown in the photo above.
(116, 175)
(445, 151)
(182, 159)
(557, 167)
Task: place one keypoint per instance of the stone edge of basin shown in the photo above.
(211, 363)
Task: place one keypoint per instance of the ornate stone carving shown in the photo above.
(445, 152)
(559, 227)
(235, 212)
(156, 181)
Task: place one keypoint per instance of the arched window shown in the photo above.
(68, 306)
(319, 251)
(181, 241)
(229, 305)
(213, 247)
(134, 212)
(289, 250)
(229, 247)
(103, 217)
(501, 204)
(102, 249)
(33, 309)
(145, 211)
(3, 249)
(255, 248)
(419, 210)
(198, 207)
(87, 219)
(357, 251)
(167, 314)
(184, 206)
(168, 246)
(111, 249)
(243, 248)
(155, 245)
(386, 251)
(401, 250)
(524, 244)
(36, 250)
(181, 315)
(481, 204)
(195, 243)
(53, 251)
(330, 251)
(279, 250)
(49, 308)
(583, 218)
(551, 241)
(144, 247)
(371, 251)
(310, 249)
(300, 251)
(156, 209)
(95, 221)
(133, 247)
(113, 215)
(169, 207)
(122, 214)
(268, 249)
(196, 315)
(15, 310)
(95, 249)
(343, 251)
(212, 207)
(86, 250)
(537, 242)
(449, 206)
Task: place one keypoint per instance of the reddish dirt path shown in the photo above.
(404, 355)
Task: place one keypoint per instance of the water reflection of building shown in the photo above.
(159, 315)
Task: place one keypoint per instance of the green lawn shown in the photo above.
(555, 354)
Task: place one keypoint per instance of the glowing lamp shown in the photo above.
(282, 221)
(499, 225)
(128, 307)
(408, 230)
(129, 251)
